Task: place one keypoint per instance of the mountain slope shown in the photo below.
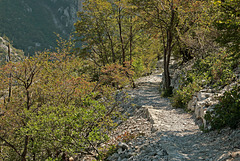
(32, 24)
(16, 54)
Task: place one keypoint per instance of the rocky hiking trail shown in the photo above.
(165, 133)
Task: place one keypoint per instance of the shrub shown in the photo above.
(138, 67)
(117, 75)
(216, 70)
(53, 109)
(167, 92)
(108, 152)
(182, 96)
(227, 112)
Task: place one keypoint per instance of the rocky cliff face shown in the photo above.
(16, 55)
(63, 12)
(31, 24)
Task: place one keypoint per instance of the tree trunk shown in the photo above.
(130, 43)
(24, 153)
(168, 50)
(10, 76)
(166, 70)
(120, 34)
(112, 48)
(167, 57)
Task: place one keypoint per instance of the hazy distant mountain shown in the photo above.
(31, 24)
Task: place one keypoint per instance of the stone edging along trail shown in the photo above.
(168, 133)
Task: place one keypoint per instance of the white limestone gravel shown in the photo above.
(166, 133)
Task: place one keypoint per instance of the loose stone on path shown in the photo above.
(164, 133)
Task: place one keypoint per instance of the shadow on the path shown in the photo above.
(196, 146)
(185, 144)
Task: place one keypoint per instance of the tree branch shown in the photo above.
(10, 145)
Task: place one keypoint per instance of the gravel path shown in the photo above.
(165, 133)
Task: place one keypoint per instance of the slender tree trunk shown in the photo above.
(167, 58)
(130, 43)
(24, 153)
(120, 34)
(168, 50)
(112, 48)
(28, 100)
(10, 76)
(34, 154)
(158, 56)
(166, 69)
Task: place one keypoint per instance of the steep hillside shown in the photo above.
(16, 54)
(31, 24)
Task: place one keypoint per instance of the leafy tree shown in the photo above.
(23, 74)
(108, 31)
(227, 24)
(195, 30)
(54, 110)
(167, 20)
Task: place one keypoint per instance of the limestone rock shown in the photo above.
(174, 135)
(230, 156)
(115, 156)
(203, 95)
(192, 103)
(123, 146)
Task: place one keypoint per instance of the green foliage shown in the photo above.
(182, 96)
(108, 152)
(112, 33)
(171, 23)
(216, 70)
(228, 24)
(69, 129)
(116, 75)
(53, 109)
(168, 92)
(227, 112)
(138, 67)
(145, 55)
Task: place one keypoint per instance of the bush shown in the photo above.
(227, 112)
(182, 96)
(167, 92)
(117, 75)
(54, 110)
(138, 67)
(216, 70)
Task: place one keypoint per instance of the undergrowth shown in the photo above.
(126, 137)
(214, 71)
(227, 112)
